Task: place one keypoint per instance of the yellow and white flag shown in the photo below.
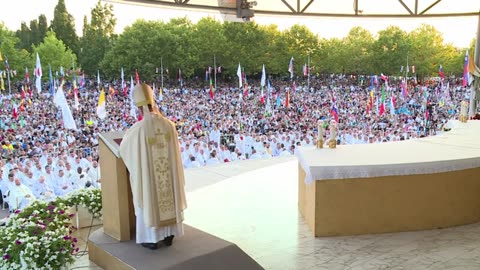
(101, 110)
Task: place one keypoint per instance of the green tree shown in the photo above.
(301, 43)
(390, 50)
(358, 51)
(97, 37)
(141, 46)
(25, 36)
(18, 59)
(184, 48)
(210, 41)
(426, 49)
(63, 24)
(53, 52)
(42, 28)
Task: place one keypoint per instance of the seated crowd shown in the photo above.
(41, 159)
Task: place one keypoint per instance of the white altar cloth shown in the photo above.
(457, 149)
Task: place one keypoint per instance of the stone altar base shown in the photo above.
(194, 250)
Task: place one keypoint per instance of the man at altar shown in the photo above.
(151, 153)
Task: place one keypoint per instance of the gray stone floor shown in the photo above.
(254, 205)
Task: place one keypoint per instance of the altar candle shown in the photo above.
(333, 130)
(320, 130)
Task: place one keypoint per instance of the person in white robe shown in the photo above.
(43, 191)
(94, 174)
(61, 184)
(151, 153)
(20, 196)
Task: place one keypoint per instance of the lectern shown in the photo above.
(118, 211)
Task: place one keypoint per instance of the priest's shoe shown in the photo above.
(151, 246)
(168, 240)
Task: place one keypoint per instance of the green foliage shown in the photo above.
(18, 59)
(97, 37)
(191, 47)
(63, 24)
(53, 52)
(141, 46)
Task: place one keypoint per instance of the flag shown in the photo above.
(404, 88)
(2, 83)
(76, 103)
(413, 69)
(154, 90)
(287, 99)
(7, 66)
(219, 69)
(262, 85)
(278, 101)
(1, 58)
(50, 81)
(111, 91)
(245, 84)
(440, 72)
(392, 104)
(67, 117)
(22, 93)
(27, 76)
(211, 89)
(62, 73)
(137, 78)
(15, 110)
(179, 77)
(305, 70)
(465, 71)
(122, 76)
(290, 67)
(334, 112)
(82, 79)
(101, 110)
(401, 69)
(207, 74)
(98, 79)
(133, 111)
(239, 75)
(382, 102)
(264, 77)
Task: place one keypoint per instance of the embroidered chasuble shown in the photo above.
(150, 151)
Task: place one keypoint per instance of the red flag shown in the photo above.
(287, 99)
(211, 89)
(15, 111)
(23, 93)
(137, 78)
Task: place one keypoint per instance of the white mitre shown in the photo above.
(142, 97)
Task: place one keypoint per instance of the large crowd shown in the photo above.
(42, 159)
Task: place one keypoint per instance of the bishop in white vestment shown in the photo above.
(151, 152)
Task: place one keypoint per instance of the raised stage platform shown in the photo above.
(421, 184)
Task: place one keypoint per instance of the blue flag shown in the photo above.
(50, 82)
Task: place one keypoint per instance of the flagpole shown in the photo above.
(161, 70)
(215, 70)
(308, 72)
(8, 78)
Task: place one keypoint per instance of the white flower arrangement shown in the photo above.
(90, 198)
(34, 235)
(40, 236)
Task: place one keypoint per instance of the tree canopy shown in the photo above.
(191, 47)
